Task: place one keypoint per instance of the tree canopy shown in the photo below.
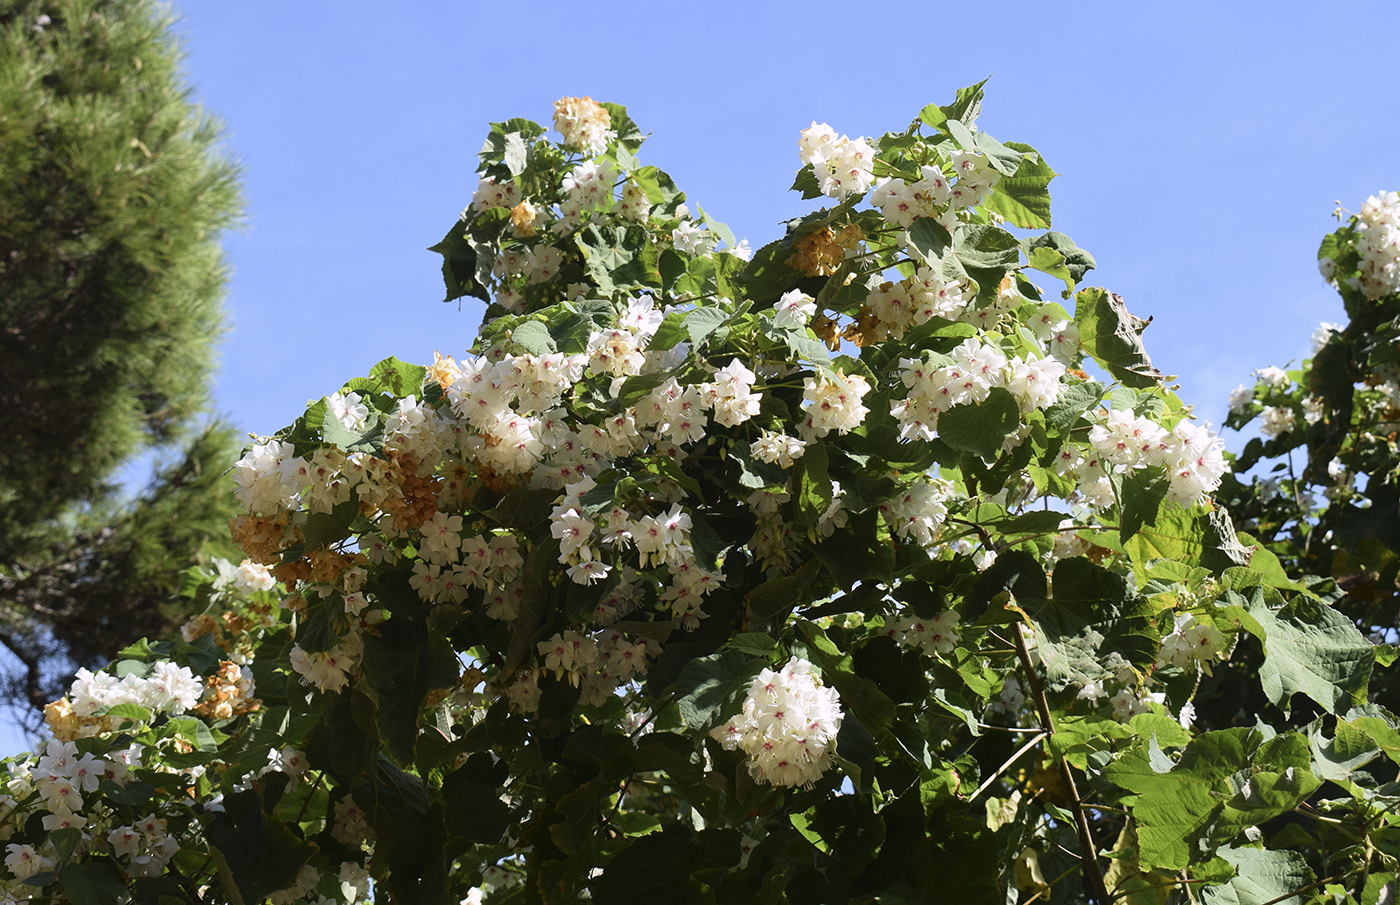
(113, 194)
(877, 564)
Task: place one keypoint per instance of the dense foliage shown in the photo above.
(112, 196)
(854, 568)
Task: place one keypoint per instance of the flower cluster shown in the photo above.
(584, 123)
(966, 377)
(844, 166)
(270, 477)
(938, 635)
(1122, 442)
(164, 688)
(787, 727)
(1378, 244)
(653, 452)
(1192, 643)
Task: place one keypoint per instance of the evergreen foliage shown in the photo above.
(112, 198)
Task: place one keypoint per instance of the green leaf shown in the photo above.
(1113, 336)
(802, 345)
(856, 752)
(671, 331)
(1024, 198)
(367, 439)
(965, 108)
(64, 841)
(716, 227)
(1143, 493)
(707, 687)
(654, 869)
(862, 551)
(758, 644)
(255, 852)
(983, 427)
(616, 257)
(516, 152)
(767, 275)
(1310, 648)
(930, 239)
(533, 337)
(1074, 401)
(579, 810)
(193, 730)
(399, 377)
(858, 694)
(701, 322)
(1190, 538)
(1261, 877)
(98, 882)
(1177, 808)
(984, 247)
(1015, 571)
(1076, 260)
(133, 712)
(961, 134)
(660, 189)
(635, 823)
(323, 529)
(1050, 261)
(461, 267)
(813, 486)
(776, 595)
(1004, 158)
(1092, 612)
(403, 661)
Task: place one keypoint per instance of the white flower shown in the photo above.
(348, 409)
(1277, 378)
(1323, 335)
(845, 168)
(1036, 383)
(834, 403)
(584, 124)
(1240, 399)
(787, 725)
(24, 862)
(815, 141)
(1275, 421)
(270, 476)
(1378, 244)
(350, 826)
(251, 577)
(777, 449)
(491, 194)
(690, 239)
(794, 309)
(918, 512)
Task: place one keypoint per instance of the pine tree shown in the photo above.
(113, 194)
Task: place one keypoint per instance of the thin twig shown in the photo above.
(1035, 740)
(1276, 899)
(1088, 850)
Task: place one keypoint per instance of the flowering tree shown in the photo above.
(853, 568)
(1325, 492)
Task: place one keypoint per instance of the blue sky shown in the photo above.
(1202, 147)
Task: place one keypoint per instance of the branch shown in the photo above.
(1088, 850)
(33, 686)
(1035, 740)
(1301, 889)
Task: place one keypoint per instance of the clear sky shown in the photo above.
(1202, 147)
